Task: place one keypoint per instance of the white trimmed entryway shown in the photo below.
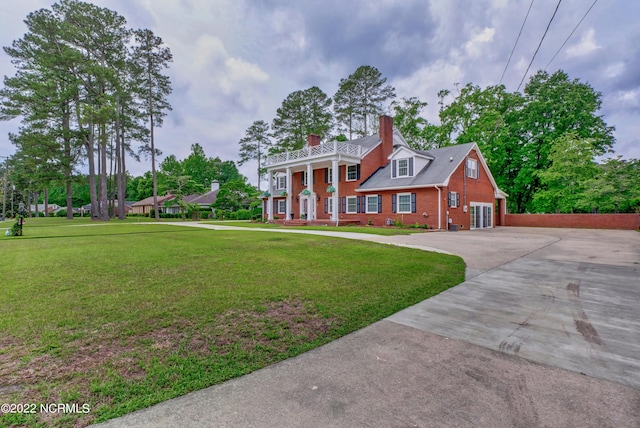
(481, 215)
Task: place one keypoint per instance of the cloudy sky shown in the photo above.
(236, 60)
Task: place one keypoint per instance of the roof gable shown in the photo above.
(444, 161)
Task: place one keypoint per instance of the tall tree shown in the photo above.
(302, 113)
(490, 117)
(150, 58)
(254, 144)
(43, 91)
(516, 132)
(345, 101)
(554, 106)
(571, 167)
(413, 127)
(100, 36)
(200, 168)
(615, 186)
(361, 98)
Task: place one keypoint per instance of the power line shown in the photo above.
(539, 44)
(573, 31)
(516, 43)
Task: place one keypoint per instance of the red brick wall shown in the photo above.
(426, 202)
(477, 190)
(589, 221)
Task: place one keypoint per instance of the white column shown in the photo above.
(311, 204)
(335, 196)
(288, 203)
(270, 200)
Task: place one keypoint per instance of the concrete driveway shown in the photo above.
(567, 298)
(544, 332)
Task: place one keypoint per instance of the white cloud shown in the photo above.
(427, 81)
(628, 98)
(614, 70)
(585, 46)
(479, 41)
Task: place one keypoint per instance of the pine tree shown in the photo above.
(254, 144)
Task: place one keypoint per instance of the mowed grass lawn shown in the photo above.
(385, 231)
(120, 316)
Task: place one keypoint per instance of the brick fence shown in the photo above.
(588, 221)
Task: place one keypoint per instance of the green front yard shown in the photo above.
(385, 231)
(121, 316)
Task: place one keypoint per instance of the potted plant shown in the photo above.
(266, 194)
(284, 193)
(331, 189)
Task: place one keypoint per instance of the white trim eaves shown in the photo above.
(408, 187)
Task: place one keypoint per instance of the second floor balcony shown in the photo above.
(313, 152)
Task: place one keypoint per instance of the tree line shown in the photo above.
(541, 145)
(89, 90)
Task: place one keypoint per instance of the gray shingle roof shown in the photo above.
(372, 141)
(208, 198)
(445, 161)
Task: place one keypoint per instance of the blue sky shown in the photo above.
(235, 61)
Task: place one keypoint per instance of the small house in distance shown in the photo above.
(203, 201)
(146, 205)
(380, 180)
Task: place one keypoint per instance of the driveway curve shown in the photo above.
(545, 331)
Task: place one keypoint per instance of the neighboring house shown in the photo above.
(128, 207)
(204, 201)
(146, 205)
(40, 208)
(379, 179)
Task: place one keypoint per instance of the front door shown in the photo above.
(307, 207)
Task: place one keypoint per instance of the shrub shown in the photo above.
(244, 215)
(61, 213)
(417, 225)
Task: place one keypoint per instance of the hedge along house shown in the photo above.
(380, 180)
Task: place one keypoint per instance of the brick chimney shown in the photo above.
(386, 135)
(314, 140)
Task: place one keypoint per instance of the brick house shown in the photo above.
(146, 205)
(379, 179)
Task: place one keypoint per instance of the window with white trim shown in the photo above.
(305, 179)
(282, 206)
(404, 203)
(472, 168)
(352, 205)
(372, 204)
(329, 205)
(454, 199)
(352, 172)
(329, 175)
(281, 182)
(403, 167)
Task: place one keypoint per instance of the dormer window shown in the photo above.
(402, 168)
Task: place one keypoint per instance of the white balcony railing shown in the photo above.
(334, 147)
